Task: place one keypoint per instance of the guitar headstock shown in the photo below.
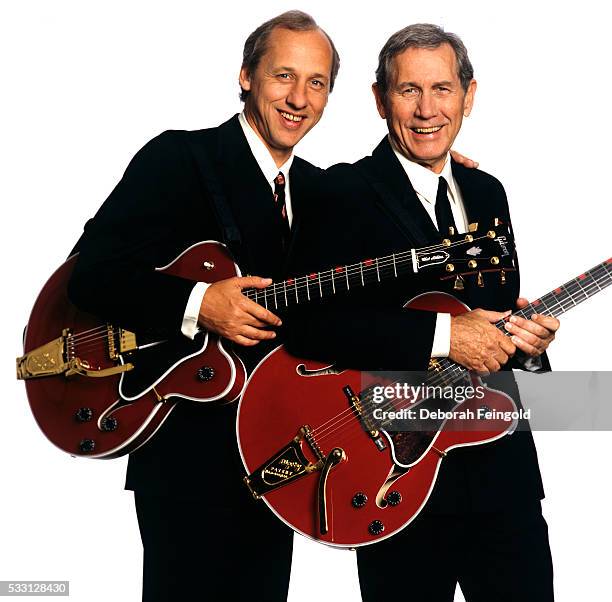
(472, 253)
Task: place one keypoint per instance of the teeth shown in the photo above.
(291, 117)
(427, 130)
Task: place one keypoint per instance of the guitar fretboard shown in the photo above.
(555, 303)
(320, 285)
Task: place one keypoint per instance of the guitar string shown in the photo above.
(325, 429)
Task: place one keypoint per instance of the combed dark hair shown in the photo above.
(422, 35)
(256, 44)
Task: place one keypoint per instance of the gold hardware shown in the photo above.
(446, 242)
(472, 263)
(208, 265)
(502, 276)
(494, 260)
(434, 364)
(51, 359)
(469, 238)
(47, 360)
(441, 453)
(127, 341)
(473, 227)
(451, 230)
(491, 234)
(110, 335)
(459, 284)
(480, 280)
(333, 459)
(450, 267)
(287, 465)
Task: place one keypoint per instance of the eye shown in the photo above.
(410, 91)
(283, 76)
(317, 83)
(442, 89)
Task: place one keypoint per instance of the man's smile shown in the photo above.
(430, 130)
(290, 116)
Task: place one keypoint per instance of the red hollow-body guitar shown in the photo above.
(312, 452)
(100, 391)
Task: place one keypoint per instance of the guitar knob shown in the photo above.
(376, 527)
(359, 500)
(205, 373)
(87, 445)
(84, 414)
(394, 498)
(109, 424)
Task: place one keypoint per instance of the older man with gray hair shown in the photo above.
(482, 526)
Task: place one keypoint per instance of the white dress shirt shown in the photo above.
(425, 184)
(269, 169)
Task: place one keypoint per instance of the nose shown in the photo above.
(297, 98)
(426, 107)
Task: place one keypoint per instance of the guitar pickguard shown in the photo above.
(152, 364)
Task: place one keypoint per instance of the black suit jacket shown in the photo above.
(368, 210)
(160, 207)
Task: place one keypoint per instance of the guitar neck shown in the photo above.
(555, 303)
(570, 294)
(340, 279)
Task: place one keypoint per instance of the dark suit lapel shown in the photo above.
(250, 197)
(478, 204)
(396, 196)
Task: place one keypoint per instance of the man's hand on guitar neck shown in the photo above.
(532, 336)
(226, 311)
(477, 344)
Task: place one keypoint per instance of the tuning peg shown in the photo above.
(472, 263)
(494, 260)
(480, 280)
(451, 230)
(473, 227)
(491, 234)
(502, 277)
(497, 221)
(446, 242)
(469, 238)
(450, 267)
(459, 284)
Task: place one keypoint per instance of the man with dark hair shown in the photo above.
(482, 526)
(204, 537)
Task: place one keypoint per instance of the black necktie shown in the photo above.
(281, 207)
(444, 214)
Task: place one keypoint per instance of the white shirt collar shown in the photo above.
(423, 180)
(262, 154)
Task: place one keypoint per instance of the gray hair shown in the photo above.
(295, 20)
(422, 35)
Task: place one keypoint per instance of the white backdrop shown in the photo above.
(88, 83)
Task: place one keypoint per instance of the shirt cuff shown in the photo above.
(442, 336)
(189, 326)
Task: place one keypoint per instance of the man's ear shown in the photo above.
(380, 100)
(468, 103)
(245, 79)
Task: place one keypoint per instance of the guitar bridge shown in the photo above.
(286, 466)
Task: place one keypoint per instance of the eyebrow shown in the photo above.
(414, 85)
(292, 70)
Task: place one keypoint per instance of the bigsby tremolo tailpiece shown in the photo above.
(55, 357)
(290, 464)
